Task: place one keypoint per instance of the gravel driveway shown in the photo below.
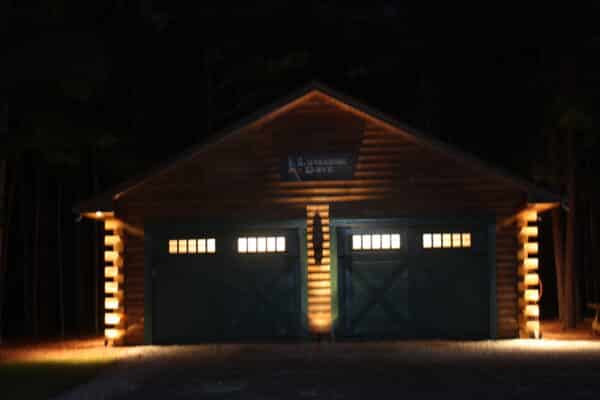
(392, 370)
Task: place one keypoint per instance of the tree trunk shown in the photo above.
(585, 251)
(26, 253)
(594, 252)
(4, 251)
(80, 282)
(578, 272)
(3, 229)
(559, 266)
(209, 91)
(96, 244)
(35, 281)
(570, 252)
(59, 253)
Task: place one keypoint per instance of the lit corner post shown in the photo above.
(529, 279)
(113, 279)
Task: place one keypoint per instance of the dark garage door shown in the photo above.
(226, 295)
(430, 285)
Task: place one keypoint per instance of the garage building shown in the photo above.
(320, 217)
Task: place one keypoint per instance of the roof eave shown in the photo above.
(105, 200)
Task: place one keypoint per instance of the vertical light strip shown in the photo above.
(113, 277)
(319, 279)
(529, 287)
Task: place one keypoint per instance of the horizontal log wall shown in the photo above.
(394, 176)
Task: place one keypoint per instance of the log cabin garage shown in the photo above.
(320, 217)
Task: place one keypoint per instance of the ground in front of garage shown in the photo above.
(386, 370)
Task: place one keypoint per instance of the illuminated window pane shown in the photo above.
(211, 245)
(427, 241)
(242, 245)
(456, 240)
(172, 246)
(446, 240)
(280, 244)
(251, 245)
(395, 241)
(191, 246)
(271, 244)
(261, 245)
(466, 240)
(437, 240)
(356, 242)
(366, 242)
(201, 245)
(385, 242)
(376, 242)
(182, 246)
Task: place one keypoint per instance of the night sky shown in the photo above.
(158, 75)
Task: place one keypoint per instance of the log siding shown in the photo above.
(394, 176)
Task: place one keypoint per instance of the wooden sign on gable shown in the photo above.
(312, 166)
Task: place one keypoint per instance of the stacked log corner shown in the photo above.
(114, 314)
(529, 278)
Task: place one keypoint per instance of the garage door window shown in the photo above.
(446, 240)
(376, 241)
(193, 246)
(261, 244)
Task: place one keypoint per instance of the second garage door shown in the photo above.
(414, 280)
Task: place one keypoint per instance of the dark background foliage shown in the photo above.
(94, 92)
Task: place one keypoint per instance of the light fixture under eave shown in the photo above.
(99, 214)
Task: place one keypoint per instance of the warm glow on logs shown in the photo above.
(532, 295)
(319, 284)
(112, 333)
(113, 248)
(532, 311)
(533, 327)
(529, 231)
(111, 224)
(319, 300)
(529, 286)
(531, 247)
(110, 255)
(531, 263)
(532, 279)
(318, 257)
(111, 287)
(318, 276)
(112, 318)
(114, 242)
(530, 216)
(111, 240)
(319, 292)
(111, 303)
